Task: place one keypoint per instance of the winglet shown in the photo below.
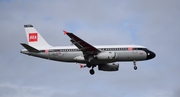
(65, 32)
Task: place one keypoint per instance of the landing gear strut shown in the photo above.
(135, 67)
(88, 65)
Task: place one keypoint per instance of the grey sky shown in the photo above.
(151, 23)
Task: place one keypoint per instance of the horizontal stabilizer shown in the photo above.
(30, 48)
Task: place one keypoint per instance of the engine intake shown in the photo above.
(109, 67)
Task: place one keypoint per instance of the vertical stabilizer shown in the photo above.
(34, 38)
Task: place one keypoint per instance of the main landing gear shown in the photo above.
(91, 71)
(135, 67)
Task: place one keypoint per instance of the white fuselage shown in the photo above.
(72, 54)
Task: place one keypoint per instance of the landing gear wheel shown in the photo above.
(91, 71)
(135, 67)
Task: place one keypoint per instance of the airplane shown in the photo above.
(84, 53)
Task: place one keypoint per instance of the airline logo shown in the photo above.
(33, 37)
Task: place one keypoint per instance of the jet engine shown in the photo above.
(109, 67)
(106, 55)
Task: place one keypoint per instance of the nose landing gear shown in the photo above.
(135, 67)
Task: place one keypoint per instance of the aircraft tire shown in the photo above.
(135, 67)
(91, 71)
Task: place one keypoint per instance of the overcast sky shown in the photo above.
(154, 24)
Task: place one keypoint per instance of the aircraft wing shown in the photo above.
(83, 46)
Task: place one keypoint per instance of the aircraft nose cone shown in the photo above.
(153, 55)
(150, 55)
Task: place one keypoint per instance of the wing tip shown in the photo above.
(65, 32)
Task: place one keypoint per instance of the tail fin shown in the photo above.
(34, 38)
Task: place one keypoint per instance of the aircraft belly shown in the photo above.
(40, 55)
(73, 56)
(63, 56)
(69, 56)
(131, 56)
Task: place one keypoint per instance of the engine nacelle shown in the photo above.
(106, 55)
(109, 67)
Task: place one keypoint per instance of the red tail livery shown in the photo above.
(33, 37)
